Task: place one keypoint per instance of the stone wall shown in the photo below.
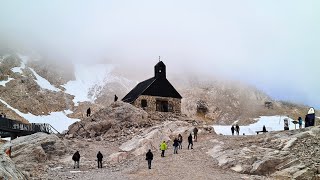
(151, 103)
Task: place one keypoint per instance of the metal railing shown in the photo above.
(9, 125)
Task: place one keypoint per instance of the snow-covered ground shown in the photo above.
(24, 60)
(272, 123)
(43, 83)
(3, 83)
(90, 79)
(58, 120)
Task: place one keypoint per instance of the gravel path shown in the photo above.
(187, 164)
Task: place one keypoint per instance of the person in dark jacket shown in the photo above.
(232, 130)
(76, 159)
(88, 112)
(237, 129)
(175, 146)
(180, 141)
(195, 134)
(190, 141)
(264, 129)
(300, 122)
(149, 158)
(115, 98)
(99, 157)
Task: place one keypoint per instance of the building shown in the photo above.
(156, 93)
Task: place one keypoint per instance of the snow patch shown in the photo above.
(272, 123)
(58, 120)
(89, 78)
(3, 83)
(68, 111)
(43, 83)
(24, 60)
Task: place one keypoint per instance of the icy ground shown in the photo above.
(272, 123)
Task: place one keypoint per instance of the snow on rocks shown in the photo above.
(3, 83)
(58, 120)
(43, 83)
(88, 77)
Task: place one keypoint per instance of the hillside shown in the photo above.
(276, 155)
(32, 86)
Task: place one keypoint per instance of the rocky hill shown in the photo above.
(31, 84)
(275, 155)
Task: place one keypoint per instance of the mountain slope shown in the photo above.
(29, 84)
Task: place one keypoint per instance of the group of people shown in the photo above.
(76, 159)
(235, 128)
(177, 144)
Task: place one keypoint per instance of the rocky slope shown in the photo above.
(279, 155)
(124, 133)
(8, 169)
(221, 102)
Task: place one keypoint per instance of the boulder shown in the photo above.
(8, 170)
(31, 153)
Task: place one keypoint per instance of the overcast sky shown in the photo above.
(271, 44)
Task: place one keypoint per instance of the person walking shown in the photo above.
(163, 148)
(175, 146)
(149, 158)
(232, 130)
(88, 112)
(76, 159)
(237, 129)
(190, 141)
(180, 141)
(195, 133)
(300, 122)
(99, 157)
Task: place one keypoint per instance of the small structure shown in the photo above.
(156, 93)
(268, 104)
(310, 118)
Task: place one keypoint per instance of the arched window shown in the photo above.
(144, 103)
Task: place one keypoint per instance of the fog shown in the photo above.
(273, 45)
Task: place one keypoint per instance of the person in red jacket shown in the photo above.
(8, 151)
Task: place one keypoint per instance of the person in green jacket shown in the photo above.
(163, 148)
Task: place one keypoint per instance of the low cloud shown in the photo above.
(271, 45)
